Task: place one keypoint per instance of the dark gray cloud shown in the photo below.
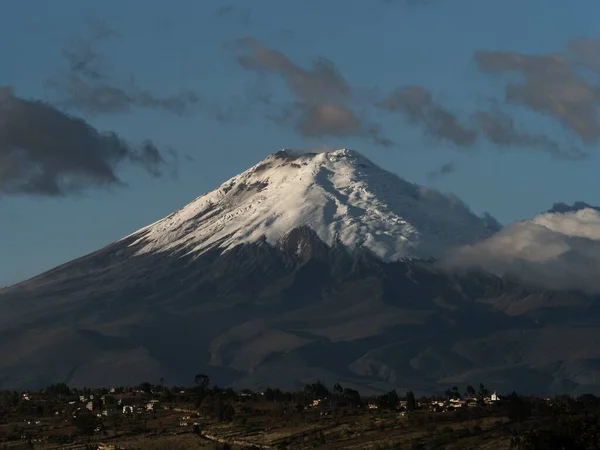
(561, 207)
(419, 107)
(324, 103)
(100, 29)
(44, 151)
(240, 14)
(557, 84)
(87, 83)
(224, 10)
(443, 170)
(412, 3)
(499, 128)
(322, 118)
(322, 82)
(585, 52)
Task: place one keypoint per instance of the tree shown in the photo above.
(277, 395)
(202, 381)
(269, 395)
(411, 403)
(228, 413)
(352, 396)
(455, 393)
(389, 400)
(96, 403)
(320, 390)
(316, 391)
(392, 399)
(471, 391)
(338, 390)
(483, 392)
(518, 409)
(168, 395)
(59, 389)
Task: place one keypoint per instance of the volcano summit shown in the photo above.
(338, 194)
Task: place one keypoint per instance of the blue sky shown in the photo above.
(376, 47)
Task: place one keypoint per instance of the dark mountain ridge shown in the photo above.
(281, 315)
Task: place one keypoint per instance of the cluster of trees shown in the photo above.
(338, 397)
(570, 424)
(314, 391)
(470, 392)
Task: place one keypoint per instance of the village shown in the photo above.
(202, 416)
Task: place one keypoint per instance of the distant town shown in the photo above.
(205, 416)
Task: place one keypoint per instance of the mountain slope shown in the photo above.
(262, 315)
(232, 286)
(339, 194)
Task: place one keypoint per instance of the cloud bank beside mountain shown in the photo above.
(554, 250)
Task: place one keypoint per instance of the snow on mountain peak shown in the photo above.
(339, 194)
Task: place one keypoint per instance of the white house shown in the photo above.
(492, 398)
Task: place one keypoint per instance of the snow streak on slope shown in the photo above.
(339, 194)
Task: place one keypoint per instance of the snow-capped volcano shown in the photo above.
(339, 194)
(301, 309)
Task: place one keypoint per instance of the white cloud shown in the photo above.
(553, 250)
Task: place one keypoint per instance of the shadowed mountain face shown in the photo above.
(285, 314)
